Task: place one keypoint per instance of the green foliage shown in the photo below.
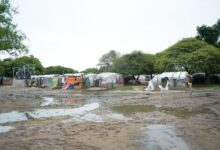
(209, 34)
(21, 61)
(135, 63)
(10, 38)
(107, 59)
(191, 55)
(91, 70)
(9, 64)
(59, 70)
(2, 68)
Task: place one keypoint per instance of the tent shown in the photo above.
(50, 81)
(110, 80)
(168, 80)
(92, 78)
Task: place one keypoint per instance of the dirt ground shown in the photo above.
(121, 120)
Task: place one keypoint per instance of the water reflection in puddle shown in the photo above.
(40, 113)
(160, 137)
(15, 116)
(96, 118)
(12, 117)
(47, 101)
(4, 129)
(128, 110)
(44, 113)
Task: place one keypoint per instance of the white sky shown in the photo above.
(76, 33)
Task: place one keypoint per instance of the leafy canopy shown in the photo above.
(10, 37)
(7, 65)
(59, 70)
(133, 64)
(210, 34)
(191, 55)
(107, 59)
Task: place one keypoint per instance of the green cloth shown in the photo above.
(55, 82)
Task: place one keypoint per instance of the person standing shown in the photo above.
(189, 84)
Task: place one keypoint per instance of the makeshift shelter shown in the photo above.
(92, 78)
(109, 80)
(50, 81)
(168, 80)
(73, 82)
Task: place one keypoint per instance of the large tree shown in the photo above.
(27, 61)
(11, 39)
(106, 60)
(134, 64)
(191, 55)
(209, 34)
(59, 70)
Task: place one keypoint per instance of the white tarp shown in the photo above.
(92, 78)
(175, 80)
(109, 79)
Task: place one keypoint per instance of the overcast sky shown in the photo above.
(76, 33)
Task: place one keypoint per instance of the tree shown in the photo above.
(209, 34)
(191, 55)
(9, 64)
(136, 63)
(59, 70)
(29, 60)
(106, 60)
(10, 37)
(2, 68)
(91, 70)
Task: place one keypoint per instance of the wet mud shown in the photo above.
(32, 118)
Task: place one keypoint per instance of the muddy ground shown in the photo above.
(109, 119)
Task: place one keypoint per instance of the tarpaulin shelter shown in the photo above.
(73, 81)
(109, 80)
(92, 79)
(50, 81)
(168, 80)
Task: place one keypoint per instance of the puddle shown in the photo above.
(47, 101)
(4, 129)
(160, 137)
(44, 113)
(127, 110)
(12, 117)
(184, 113)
